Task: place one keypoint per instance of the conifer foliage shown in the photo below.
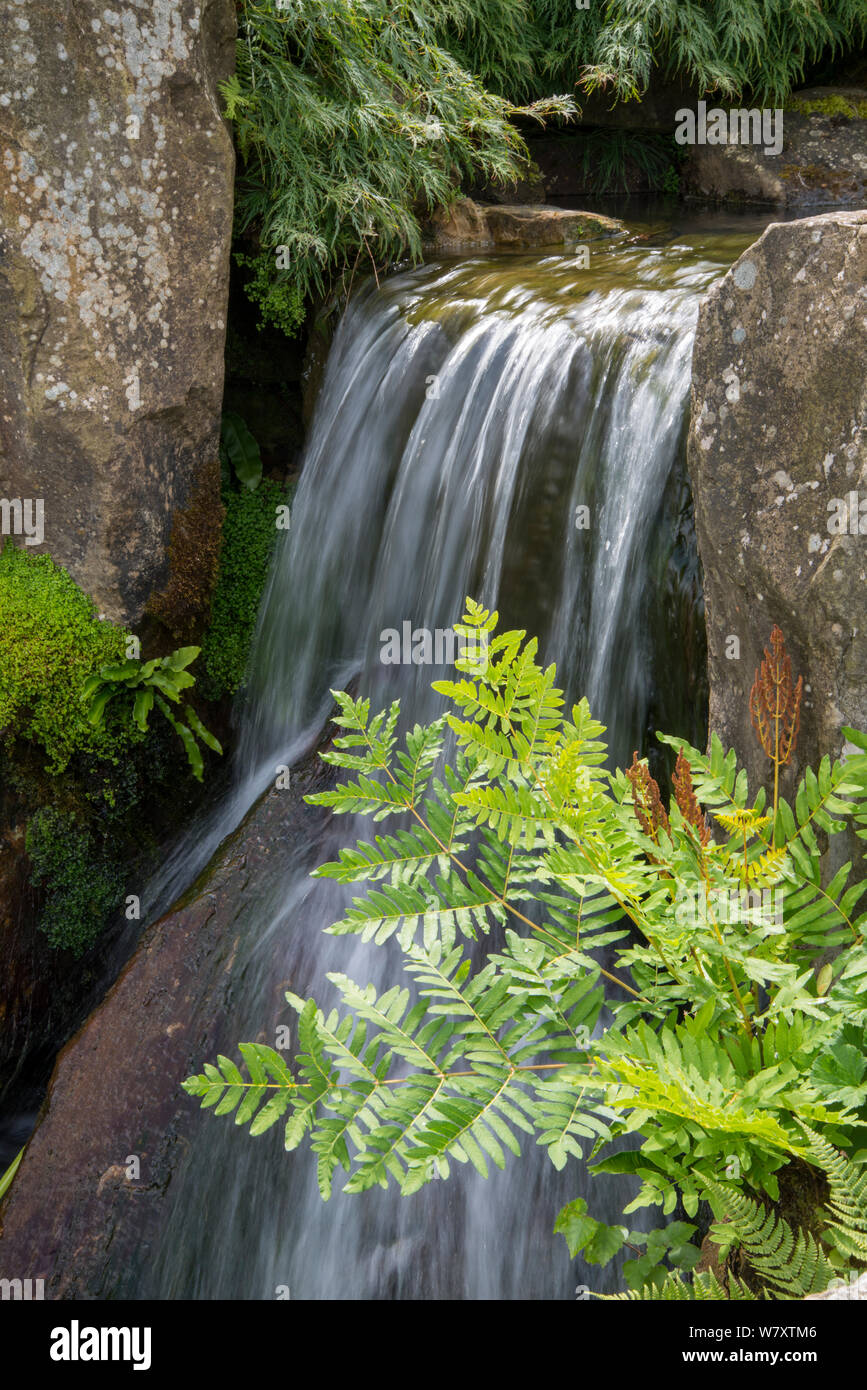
(733, 1050)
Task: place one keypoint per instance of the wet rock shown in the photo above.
(115, 223)
(462, 224)
(778, 458)
(468, 225)
(823, 161)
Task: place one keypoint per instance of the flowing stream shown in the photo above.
(509, 428)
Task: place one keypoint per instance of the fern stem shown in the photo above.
(540, 931)
(513, 1067)
(584, 847)
(748, 1028)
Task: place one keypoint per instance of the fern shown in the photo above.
(789, 1264)
(143, 685)
(730, 1040)
(847, 1209)
(786, 1264)
(702, 1288)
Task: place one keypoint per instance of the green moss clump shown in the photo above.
(249, 535)
(830, 106)
(83, 887)
(50, 640)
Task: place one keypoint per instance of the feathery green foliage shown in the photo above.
(721, 1010)
(759, 48)
(355, 118)
(351, 121)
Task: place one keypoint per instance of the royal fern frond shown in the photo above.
(728, 1032)
(747, 819)
(258, 1099)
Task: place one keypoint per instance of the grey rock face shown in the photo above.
(823, 161)
(778, 460)
(116, 177)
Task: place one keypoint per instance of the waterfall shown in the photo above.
(509, 428)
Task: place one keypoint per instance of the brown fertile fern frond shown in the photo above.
(649, 810)
(775, 706)
(686, 799)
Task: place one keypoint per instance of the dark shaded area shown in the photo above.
(75, 1216)
(265, 373)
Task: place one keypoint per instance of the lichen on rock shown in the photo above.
(115, 223)
(823, 161)
(777, 453)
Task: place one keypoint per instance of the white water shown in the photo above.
(468, 410)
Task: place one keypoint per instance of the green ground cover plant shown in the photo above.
(83, 884)
(50, 641)
(250, 533)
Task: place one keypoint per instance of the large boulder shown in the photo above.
(823, 161)
(778, 459)
(115, 221)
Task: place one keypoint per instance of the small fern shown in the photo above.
(704, 1287)
(847, 1226)
(789, 1264)
(786, 1263)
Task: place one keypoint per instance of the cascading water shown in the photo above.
(470, 413)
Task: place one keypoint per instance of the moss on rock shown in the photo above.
(83, 885)
(848, 107)
(50, 640)
(249, 535)
(194, 557)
